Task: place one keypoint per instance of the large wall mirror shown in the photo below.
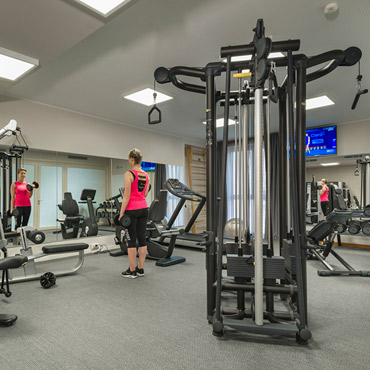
(60, 173)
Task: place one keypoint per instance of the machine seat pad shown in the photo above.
(50, 249)
(12, 262)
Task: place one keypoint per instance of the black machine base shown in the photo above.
(165, 262)
(118, 253)
(7, 320)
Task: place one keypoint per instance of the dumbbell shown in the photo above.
(15, 212)
(36, 236)
(367, 210)
(34, 185)
(354, 227)
(125, 221)
(366, 227)
(341, 228)
(319, 187)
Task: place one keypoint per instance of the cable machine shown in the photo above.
(258, 274)
(10, 162)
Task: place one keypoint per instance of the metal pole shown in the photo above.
(258, 184)
(236, 176)
(245, 167)
(268, 177)
(289, 153)
(282, 168)
(240, 163)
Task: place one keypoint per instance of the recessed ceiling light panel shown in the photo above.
(242, 58)
(220, 122)
(146, 97)
(103, 7)
(318, 102)
(14, 65)
(330, 164)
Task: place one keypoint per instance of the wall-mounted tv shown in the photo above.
(148, 166)
(321, 141)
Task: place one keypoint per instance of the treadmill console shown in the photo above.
(177, 188)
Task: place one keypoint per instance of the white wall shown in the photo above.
(353, 138)
(337, 173)
(50, 128)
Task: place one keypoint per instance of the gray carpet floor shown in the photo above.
(97, 319)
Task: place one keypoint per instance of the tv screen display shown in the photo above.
(148, 166)
(321, 141)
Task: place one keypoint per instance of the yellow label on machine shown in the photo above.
(241, 75)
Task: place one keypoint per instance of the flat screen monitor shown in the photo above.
(321, 141)
(148, 166)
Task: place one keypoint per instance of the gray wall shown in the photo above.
(353, 138)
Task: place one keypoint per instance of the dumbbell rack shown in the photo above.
(361, 220)
(106, 210)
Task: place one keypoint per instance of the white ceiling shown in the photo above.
(88, 63)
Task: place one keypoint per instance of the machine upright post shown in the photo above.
(301, 163)
(211, 256)
(245, 167)
(258, 219)
(282, 168)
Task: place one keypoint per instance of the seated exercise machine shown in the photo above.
(155, 229)
(325, 232)
(47, 250)
(73, 220)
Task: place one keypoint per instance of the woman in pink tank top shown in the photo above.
(20, 199)
(135, 206)
(324, 197)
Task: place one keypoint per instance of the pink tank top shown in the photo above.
(138, 188)
(325, 197)
(22, 199)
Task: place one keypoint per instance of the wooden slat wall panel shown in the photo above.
(196, 171)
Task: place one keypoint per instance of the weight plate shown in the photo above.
(354, 228)
(366, 228)
(341, 228)
(367, 211)
(125, 221)
(47, 280)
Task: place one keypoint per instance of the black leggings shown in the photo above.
(325, 208)
(23, 217)
(137, 227)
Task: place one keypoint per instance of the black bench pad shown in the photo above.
(12, 262)
(50, 249)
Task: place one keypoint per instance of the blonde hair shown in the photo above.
(19, 170)
(136, 155)
(324, 181)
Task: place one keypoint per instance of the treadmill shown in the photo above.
(180, 190)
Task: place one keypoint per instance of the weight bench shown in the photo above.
(327, 229)
(47, 250)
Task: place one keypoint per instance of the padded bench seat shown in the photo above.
(50, 249)
(12, 262)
